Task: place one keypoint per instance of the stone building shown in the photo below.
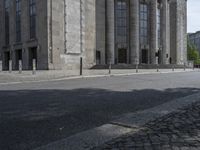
(141, 31)
(57, 33)
(195, 39)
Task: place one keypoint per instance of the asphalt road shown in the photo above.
(35, 114)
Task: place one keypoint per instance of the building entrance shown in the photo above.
(144, 56)
(159, 57)
(122, 56)
(6, 60)
(32, 55)
(98, 57)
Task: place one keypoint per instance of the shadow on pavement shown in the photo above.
(31, 118)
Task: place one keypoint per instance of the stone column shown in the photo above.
(153, 31)
(110, 20)
(134, 31)
(165, 32)
(2, 30)
(25, 33)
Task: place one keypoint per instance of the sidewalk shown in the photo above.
(27, 76)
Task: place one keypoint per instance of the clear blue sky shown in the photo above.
(193, 15)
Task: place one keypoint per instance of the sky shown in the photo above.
(193, 15)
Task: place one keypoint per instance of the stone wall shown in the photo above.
(79, 33)
(40, 42)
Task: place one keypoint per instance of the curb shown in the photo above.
(34, 79)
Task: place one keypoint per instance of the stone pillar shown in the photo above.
(165, 32)
(2, 31)
(178, 27)
(153, 31)
(173, 29)
(25, 34)
(185, 58)
(134, 31)
(110, 20)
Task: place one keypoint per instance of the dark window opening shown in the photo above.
(143, 24)
(98, 57)
(7, 22)
(18, 56)
(32, 13)
(122, 56)
(121, 10)
(18, 20)
(6, 60)
(144, 56)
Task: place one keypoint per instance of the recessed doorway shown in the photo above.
(122, 56)
(6, 60)
(18, 56)
(144, 56)
(32, 55)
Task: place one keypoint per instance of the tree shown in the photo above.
(193, 53)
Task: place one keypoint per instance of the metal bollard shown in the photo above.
(81, 66)
(34, 67)
(157, 67)
(1, 66)
(184, 66)
(10, 66)
(110, 68)
(20, 66)
(172, 67)
(137, 68)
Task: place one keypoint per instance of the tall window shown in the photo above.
(7, 22)
(158, 26)
(32, 12)
(18, 20)
(121, 23)
(143, 24)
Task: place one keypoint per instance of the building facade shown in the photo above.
(195, 39)
(141, 31)
(58, 33)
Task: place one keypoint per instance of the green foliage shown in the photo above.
(193, 53)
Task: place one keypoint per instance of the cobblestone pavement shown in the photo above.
(176, 131)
